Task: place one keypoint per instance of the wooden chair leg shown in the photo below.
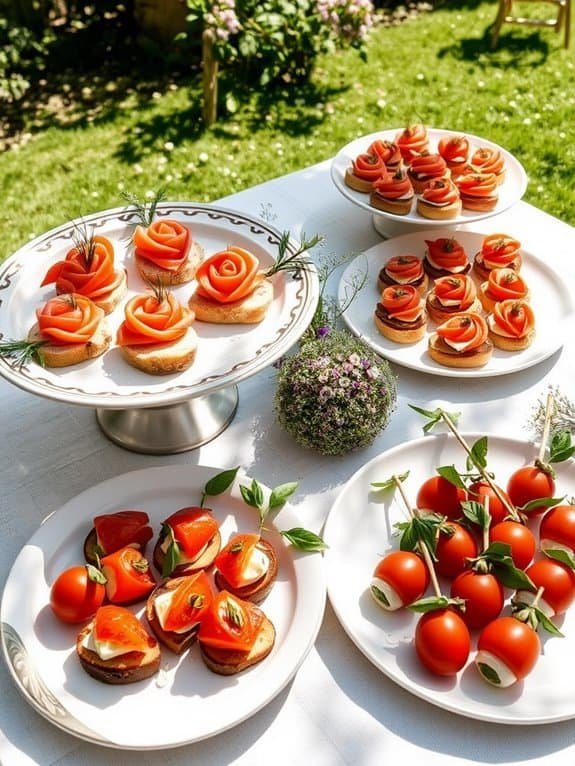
(567, 23)
(499, 19)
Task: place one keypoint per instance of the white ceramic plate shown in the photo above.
(510, 191)
(226, 353)
(186, 702)
(550, 299)
(359, 531)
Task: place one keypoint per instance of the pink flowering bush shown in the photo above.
(281, 38)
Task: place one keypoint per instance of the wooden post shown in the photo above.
(210, 78)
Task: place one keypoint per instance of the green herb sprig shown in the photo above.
(22, 352)
(145, 210)
(287, 261)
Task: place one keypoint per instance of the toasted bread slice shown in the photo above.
(60, 355)
(511, 344)
(163, 358)
(438, 212)
(356, 183)
(125, 669)
(395, 206)
(153, 274)
(443, 354)
(175, 642)
(203, 561)
(399, 334)
(249, 310)
(109, 302)
(227, 662)
(258, 590)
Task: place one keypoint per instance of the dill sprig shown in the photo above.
(562, 416)
(23, 351)
(85, 243)
(287, 261)
(160, 286)
(145, 209)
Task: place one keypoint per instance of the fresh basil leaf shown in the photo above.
(221, 482)
(561, 448)
(452, 475)
(564, 557)
(429, 604)
(510, 576)
(391, 482)
(546, 623)
(478, 457)
(280, 494)
(304, 540)
(257, 493)
(497, 551)
(475, 512)
(547, 502)
(96, 575)
(171, 559)
(248, 496)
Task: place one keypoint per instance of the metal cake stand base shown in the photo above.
(172, 428)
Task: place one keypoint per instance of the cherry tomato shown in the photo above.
(406, 577)
(497, 510)
(441, 496)
(507, 651)
(75, 595)
(442, 641)
(454, 547)
(558, 582)
(128, 577)
(530, 483)
(557, 528)
(483, 594)
(520, 539)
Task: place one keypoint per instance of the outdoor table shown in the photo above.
(338, 709)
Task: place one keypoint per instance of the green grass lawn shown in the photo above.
(87, 142)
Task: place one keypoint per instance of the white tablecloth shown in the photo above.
(338, 709)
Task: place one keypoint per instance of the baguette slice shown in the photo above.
(203, 561)
(162, 358)
(399, 334)
(175, 642)
(511, 344)
(258, 590)
(227, 662)
(109, 302)
(152, 274)
(125, 669)
(60, 355)
(249, 310)
(443, 354)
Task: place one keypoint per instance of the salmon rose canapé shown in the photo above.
(497, 251)
(400, 314)
(512, 325)
(452, 295)
(502, 285)
(166, 248)
(445, 256)
(406, 269)
(461, 341)
(439, 200)
(364, 170)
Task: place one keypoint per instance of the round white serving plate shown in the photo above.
(549, 297)
(510, 191)
(226, 354)
(359, 530)
(185, 702)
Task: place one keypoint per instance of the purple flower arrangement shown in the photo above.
(335, 394)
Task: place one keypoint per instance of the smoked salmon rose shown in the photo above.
(439, 200)
(152, 320)
(497, 251)
(455, 151)
(452, 295)
(512, 325)
(461, 341)
(229, 275)
(404, 269)
(445, 256)
(502, 285)
(69, 319)
(487, 160)
(425, 168)
(364, 170)
(166, 248)
(400, 314)
(392, 192)
(88, 269)
(478, 191)
(412, 141)
(388, 151)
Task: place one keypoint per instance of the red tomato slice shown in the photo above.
(128, 576)
(117, 530)
(230, 623)
(117, 625)
(234, 560)
(190, 601)
(193, 528)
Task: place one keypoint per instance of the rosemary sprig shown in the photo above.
(287, 261)
(23, 352)
(160, 287)
(145, 210)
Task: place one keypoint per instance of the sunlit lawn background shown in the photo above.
(83, 137)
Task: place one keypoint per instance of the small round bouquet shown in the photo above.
(335, 394)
